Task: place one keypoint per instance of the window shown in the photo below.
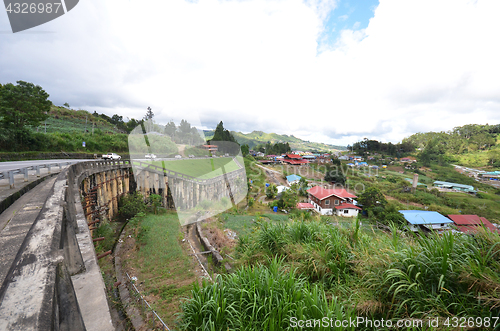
(336, 202)
(346, 211)
(327, 202)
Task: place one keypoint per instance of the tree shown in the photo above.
(303, 185)
(494, 157)
(245, 150)
(22, 105)
(170, 129)
(132, 124)
(288, 199)
(66, 105)
(184, 131)
(371, 198)
(334, 175)
(222, 135)
(149, 114)
(271, 191)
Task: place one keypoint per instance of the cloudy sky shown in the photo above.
(333, 71)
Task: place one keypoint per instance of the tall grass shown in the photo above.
(386, 275)
(317, 250)
(259, 298)
(439, 275)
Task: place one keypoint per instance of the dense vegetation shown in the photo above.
(443, 147)
(350, 270)
(273, 149)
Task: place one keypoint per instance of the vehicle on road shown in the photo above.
(178, 157)
(111, 156)
(191, 156)
(150, 156)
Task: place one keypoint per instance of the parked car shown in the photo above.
(111, 156)
(191, 156)
(178, 157)
(150, 156)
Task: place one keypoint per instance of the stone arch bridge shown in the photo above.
(52, 281)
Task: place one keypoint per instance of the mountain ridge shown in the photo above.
(257, 137)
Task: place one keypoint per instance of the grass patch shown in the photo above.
(277, 217)
(200, 168)
(159, 259)
(241, 224)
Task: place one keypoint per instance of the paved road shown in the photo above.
(12, 165)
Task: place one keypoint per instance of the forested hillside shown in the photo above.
(256, 138)
(469, 145)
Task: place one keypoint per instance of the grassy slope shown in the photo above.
(64, 120)
(201, 168)
(161, 263)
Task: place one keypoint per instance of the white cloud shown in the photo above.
(419, 65)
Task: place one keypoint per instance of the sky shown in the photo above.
(332, 71)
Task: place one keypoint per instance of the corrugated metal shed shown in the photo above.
(423, 217)
(292, 178)
(470, 223)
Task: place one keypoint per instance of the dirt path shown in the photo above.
(181, 149)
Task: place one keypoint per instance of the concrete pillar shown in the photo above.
(109, 194)
(114, 193)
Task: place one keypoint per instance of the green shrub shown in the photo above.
(130, 205)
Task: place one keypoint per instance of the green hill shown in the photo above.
(255, 138)
(63, 120)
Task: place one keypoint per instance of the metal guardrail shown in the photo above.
(25, 171)
(145, 305)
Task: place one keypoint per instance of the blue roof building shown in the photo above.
(292, 179)
(431, 220)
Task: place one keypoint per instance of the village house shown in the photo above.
(454, 187)
(211, 148)
(471, 223)
(292, 179)
(426, 220)
(333, 201)
(294, 159)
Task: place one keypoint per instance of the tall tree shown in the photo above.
(222, 135)
(22, 105)
(170, 129)
(149, 114)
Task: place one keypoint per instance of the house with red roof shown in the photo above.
(211, 148)
(304, 206)
(471, 223)
(336, 201)
(294, 159)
